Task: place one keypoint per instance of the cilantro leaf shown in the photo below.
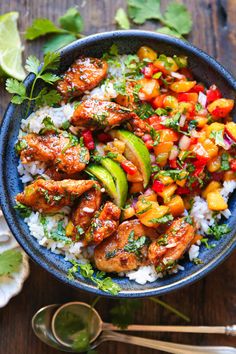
(169, 32)
(14, 86)
(10, 262)
(51, 61)
(23, 210)
(163, 219)
(178, 18)
(218, 135)
(122, 19)
(41, 27)
(141, 10)
(122, 315)
(48, 98)
(49, 78)
(72, 21)
(218, 230)
(135, 245)
(225, 166)
(58, 41)
(144, 110)
(32, 64)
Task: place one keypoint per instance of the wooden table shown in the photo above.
(211, 301)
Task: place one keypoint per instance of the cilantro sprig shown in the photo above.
(71, 25)
(10, 262)
(103, 283)
(43, 73)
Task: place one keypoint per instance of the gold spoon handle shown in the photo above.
(174, 348)
(228, 330)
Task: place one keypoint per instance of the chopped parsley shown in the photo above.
(163, 219)
(86, 270)
(23, 210)
(218, 230)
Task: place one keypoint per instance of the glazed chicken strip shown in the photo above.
(88, 205)
(60, 150)
(104, 224)
(127, 249)
(48, 196)
(83, 75)
(170, 247)
(94, 113)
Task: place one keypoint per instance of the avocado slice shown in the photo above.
(120, 180)
(136, 152)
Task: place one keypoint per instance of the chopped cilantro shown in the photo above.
(225, 162)
(198, 107)
(161, 111)
(197, 261)
(21, 145)
(23, 210)
(122, 315)
(59, 234)
(65, 125)
(48, 126)
(135, 245)
(144, 111)
(218, 230)
(163, 219)
(181, 61)
(192, 124)
(219, 137)
(176, 175)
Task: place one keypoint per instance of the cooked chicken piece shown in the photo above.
(139, 127)
(170, 247)
(104, 224)
(95, 113)
(83, 75)
(53, 173)
(127, 249)
(61, 150)
(48, 196)
(128, 100)
(88, 205)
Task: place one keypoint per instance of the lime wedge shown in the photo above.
(120, 180)
(10, 47)
(136, 152)
(105, 178)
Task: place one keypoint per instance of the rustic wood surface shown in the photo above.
(211, 301)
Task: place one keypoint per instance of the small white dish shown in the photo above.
(11, 285)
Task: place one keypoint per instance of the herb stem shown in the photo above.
(170, 308)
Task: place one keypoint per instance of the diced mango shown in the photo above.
(221, 108)
(210, 148)
(166, 69)
(163, 147)
(136, 187)
(176, 205)
(166, 180)
(182, 86)
(69, 229)
(170, 102)
(167, 193)
(156, 212)
(128, 213)
(181, 182)
(151, 196)
(137, 177)
(162, 159)
(196, 238)
(231, 130)
(168, 135)
(211, 187)
(145, 52)
(230, 176)
(216, 202)
(201, 121)
(214, 164)
(149, 89)
(214, 127)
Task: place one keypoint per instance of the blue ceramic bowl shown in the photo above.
(205, 69)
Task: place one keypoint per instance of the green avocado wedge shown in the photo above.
(136, 152)
(106, 179)
(120, 180)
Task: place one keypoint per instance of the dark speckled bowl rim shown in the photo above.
(159, 290)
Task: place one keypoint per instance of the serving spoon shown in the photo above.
(42, 321)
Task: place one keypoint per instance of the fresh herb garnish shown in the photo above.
(197, 261)
(122, 19)
(21, 145)
(144, 110)
(86, 270)
(219, 137)
(51, 62)
(198, 107)
(163, 219)
(10, 262)
(135, 245)
(218, 230)
(48, 126)
(23, 210)
(176, 175)
(71, 26)
(60, 234)
(110, 254)
(122, 315)
(225, 166)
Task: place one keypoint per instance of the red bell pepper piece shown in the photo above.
(233, 165)
(158, 186)
(173, 163)
(149, 70)
(198, 88)
(221, 112)
(104, 137)
(158, 101)
(149, 144)
(213, 94)
(129, 167)
(155, 122)
(187, 97)
(193, 141)
(183, 190)
(88, 139)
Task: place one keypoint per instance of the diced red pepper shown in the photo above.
(198, 88)
(149, 144)
(149, 70)
(173, 163)
(213, 94)
(129, 167)
(88, 139)
(187, 97)
(158, 101)
(193, 140)
(220, 112)
(155, 122)
(233, 165)
(158, 186)
(104, 137)
(183, 190)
